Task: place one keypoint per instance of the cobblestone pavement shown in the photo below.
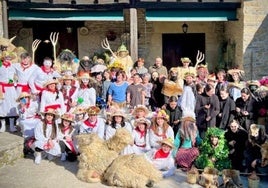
(25, 174)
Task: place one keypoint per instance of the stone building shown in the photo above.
(229, 32)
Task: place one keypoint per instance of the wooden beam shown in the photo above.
(133, 34)
(133, 4)
(5, 19)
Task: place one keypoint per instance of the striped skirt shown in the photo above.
(185, 157)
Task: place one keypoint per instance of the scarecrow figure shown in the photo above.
(121, 56)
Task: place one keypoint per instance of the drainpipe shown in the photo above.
(5, 19)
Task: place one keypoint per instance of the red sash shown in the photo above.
(5, 85)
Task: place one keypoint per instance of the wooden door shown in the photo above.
(176, 46)
(67, 39)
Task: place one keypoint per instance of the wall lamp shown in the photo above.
(184, 27)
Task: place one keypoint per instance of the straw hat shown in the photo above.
(186, 59)
(79, 110)
(188, 119)
(167, 141)
(188, 115)
(119, 113)
(202, 66)
(67, 77)
(23, 95)
(85, 75)
(8, 54)
(93, 110)
(68, 117)
(161, 114)
(51, 111)
(140, 107)
(189, 74)
(143, 121)
(212, 77)
(253, 83)
(238, 71)
(51, 81)
(174, 70)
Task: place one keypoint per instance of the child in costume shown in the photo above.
(141, 136)
(160, 129)
(93, 124)
(46, 135)
(214, 151)
(66, 134)
(162, 158)
(28, 114)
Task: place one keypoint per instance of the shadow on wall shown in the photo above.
(255, 56)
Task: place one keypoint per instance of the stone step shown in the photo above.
(11, 148)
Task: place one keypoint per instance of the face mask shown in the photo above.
(23, 100)
(47, 63)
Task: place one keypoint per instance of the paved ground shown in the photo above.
(25, 174)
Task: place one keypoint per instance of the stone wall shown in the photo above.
(212, 31)
(255, 38)
(1, 21)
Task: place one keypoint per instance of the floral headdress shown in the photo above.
(161, 114)
(264, 81)
(116, 64)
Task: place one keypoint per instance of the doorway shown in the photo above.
(176, 46)
(67, 38)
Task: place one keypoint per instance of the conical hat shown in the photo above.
(122, 48)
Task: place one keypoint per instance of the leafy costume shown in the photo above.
(219, 153)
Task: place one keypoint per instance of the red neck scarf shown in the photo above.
(7, 63)
(160, 154)
(89, 124)
(52, 91)
(142, 133)
(25, 66)
(49, 123)
(84, 86)
(46, 70)
(64, 129)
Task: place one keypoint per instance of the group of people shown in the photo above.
(177, 118)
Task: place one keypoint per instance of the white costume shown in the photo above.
(188, 102)
(88, 95)
(165, 165)
(141, 142)
(8, 104)
(97, 127)
(71, 145)
(49, 99)
(155, 138)
(23, 75)
(28, 119)
(69, 95)
(110, 132)
(39, 78)
(41, 139)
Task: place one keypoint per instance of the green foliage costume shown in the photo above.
(218, 153)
